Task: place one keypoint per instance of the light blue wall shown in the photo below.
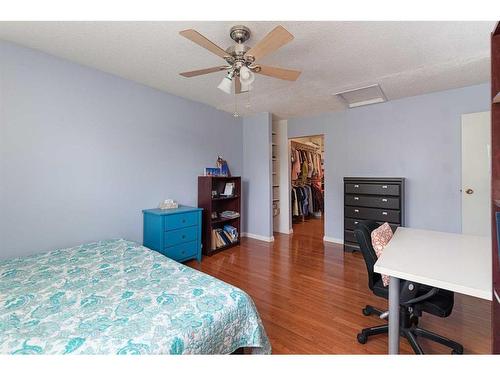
(256, 177)
(82, 152)
(418, 138)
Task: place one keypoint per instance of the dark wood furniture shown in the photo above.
(495, 183)
(217, 204)
(371, 198)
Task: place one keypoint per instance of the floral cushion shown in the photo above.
(380, 238)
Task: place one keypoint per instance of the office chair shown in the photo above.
(414, 299)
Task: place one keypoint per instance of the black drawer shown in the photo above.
(349, 246)
(349, 236)
(367, 201)
(350, 224)
(373, 189)
(376, 214)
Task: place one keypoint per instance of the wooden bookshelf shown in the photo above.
(207, 184)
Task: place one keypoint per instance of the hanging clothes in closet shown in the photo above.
(306, 176)
(306, 200)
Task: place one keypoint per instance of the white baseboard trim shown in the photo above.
(258, 237)
(333, 240)
(285, 231)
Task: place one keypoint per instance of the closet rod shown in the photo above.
(303, 146)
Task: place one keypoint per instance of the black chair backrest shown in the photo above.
(362, 232)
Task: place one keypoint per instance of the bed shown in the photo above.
(117, 297)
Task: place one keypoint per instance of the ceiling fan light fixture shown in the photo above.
(226, 83)
(245, 87)
(246, 76)
(241, 58)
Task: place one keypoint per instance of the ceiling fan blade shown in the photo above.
(237, 85)
(281, 73)
(199, 39)
(200, 72)
(278, 37)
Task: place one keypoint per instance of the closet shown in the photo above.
(307, 178)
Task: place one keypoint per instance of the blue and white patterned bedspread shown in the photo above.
(119, 297)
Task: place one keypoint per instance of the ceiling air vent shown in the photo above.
(363, 96)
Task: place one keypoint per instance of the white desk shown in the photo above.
(457, 262)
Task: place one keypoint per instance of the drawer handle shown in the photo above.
(384, 199)
(356, 210)
(183, 236)
(356, 198)
(384, 213)
(356, 186)
(384, 186)
(183, 220)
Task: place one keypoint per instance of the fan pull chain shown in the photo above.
(235, 113)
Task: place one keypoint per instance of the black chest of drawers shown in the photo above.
(372, 198)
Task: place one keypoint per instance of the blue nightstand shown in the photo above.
(176, 233)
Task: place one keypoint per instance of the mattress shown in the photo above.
(117, 297)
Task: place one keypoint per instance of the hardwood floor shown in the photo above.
(310, 294)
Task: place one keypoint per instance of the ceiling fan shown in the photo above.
(241, 59)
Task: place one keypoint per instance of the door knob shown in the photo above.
(469, 191)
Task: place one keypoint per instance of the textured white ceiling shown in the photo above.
(405, 58)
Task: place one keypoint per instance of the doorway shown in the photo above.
(476, 173)
(307, 185)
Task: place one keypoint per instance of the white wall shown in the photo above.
(82, 152)
(256, 177)
(418, 138)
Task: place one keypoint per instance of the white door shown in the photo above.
(476, 173)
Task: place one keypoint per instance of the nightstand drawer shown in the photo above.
(181, 220)
(178, 236)
(182, 251)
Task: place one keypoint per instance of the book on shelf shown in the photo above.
(232, 231)
(229, 214)
(223, 237)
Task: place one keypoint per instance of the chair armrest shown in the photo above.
(421, 298)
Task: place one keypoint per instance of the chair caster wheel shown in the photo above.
(362, 338)
(459, 351)
(366, 312)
